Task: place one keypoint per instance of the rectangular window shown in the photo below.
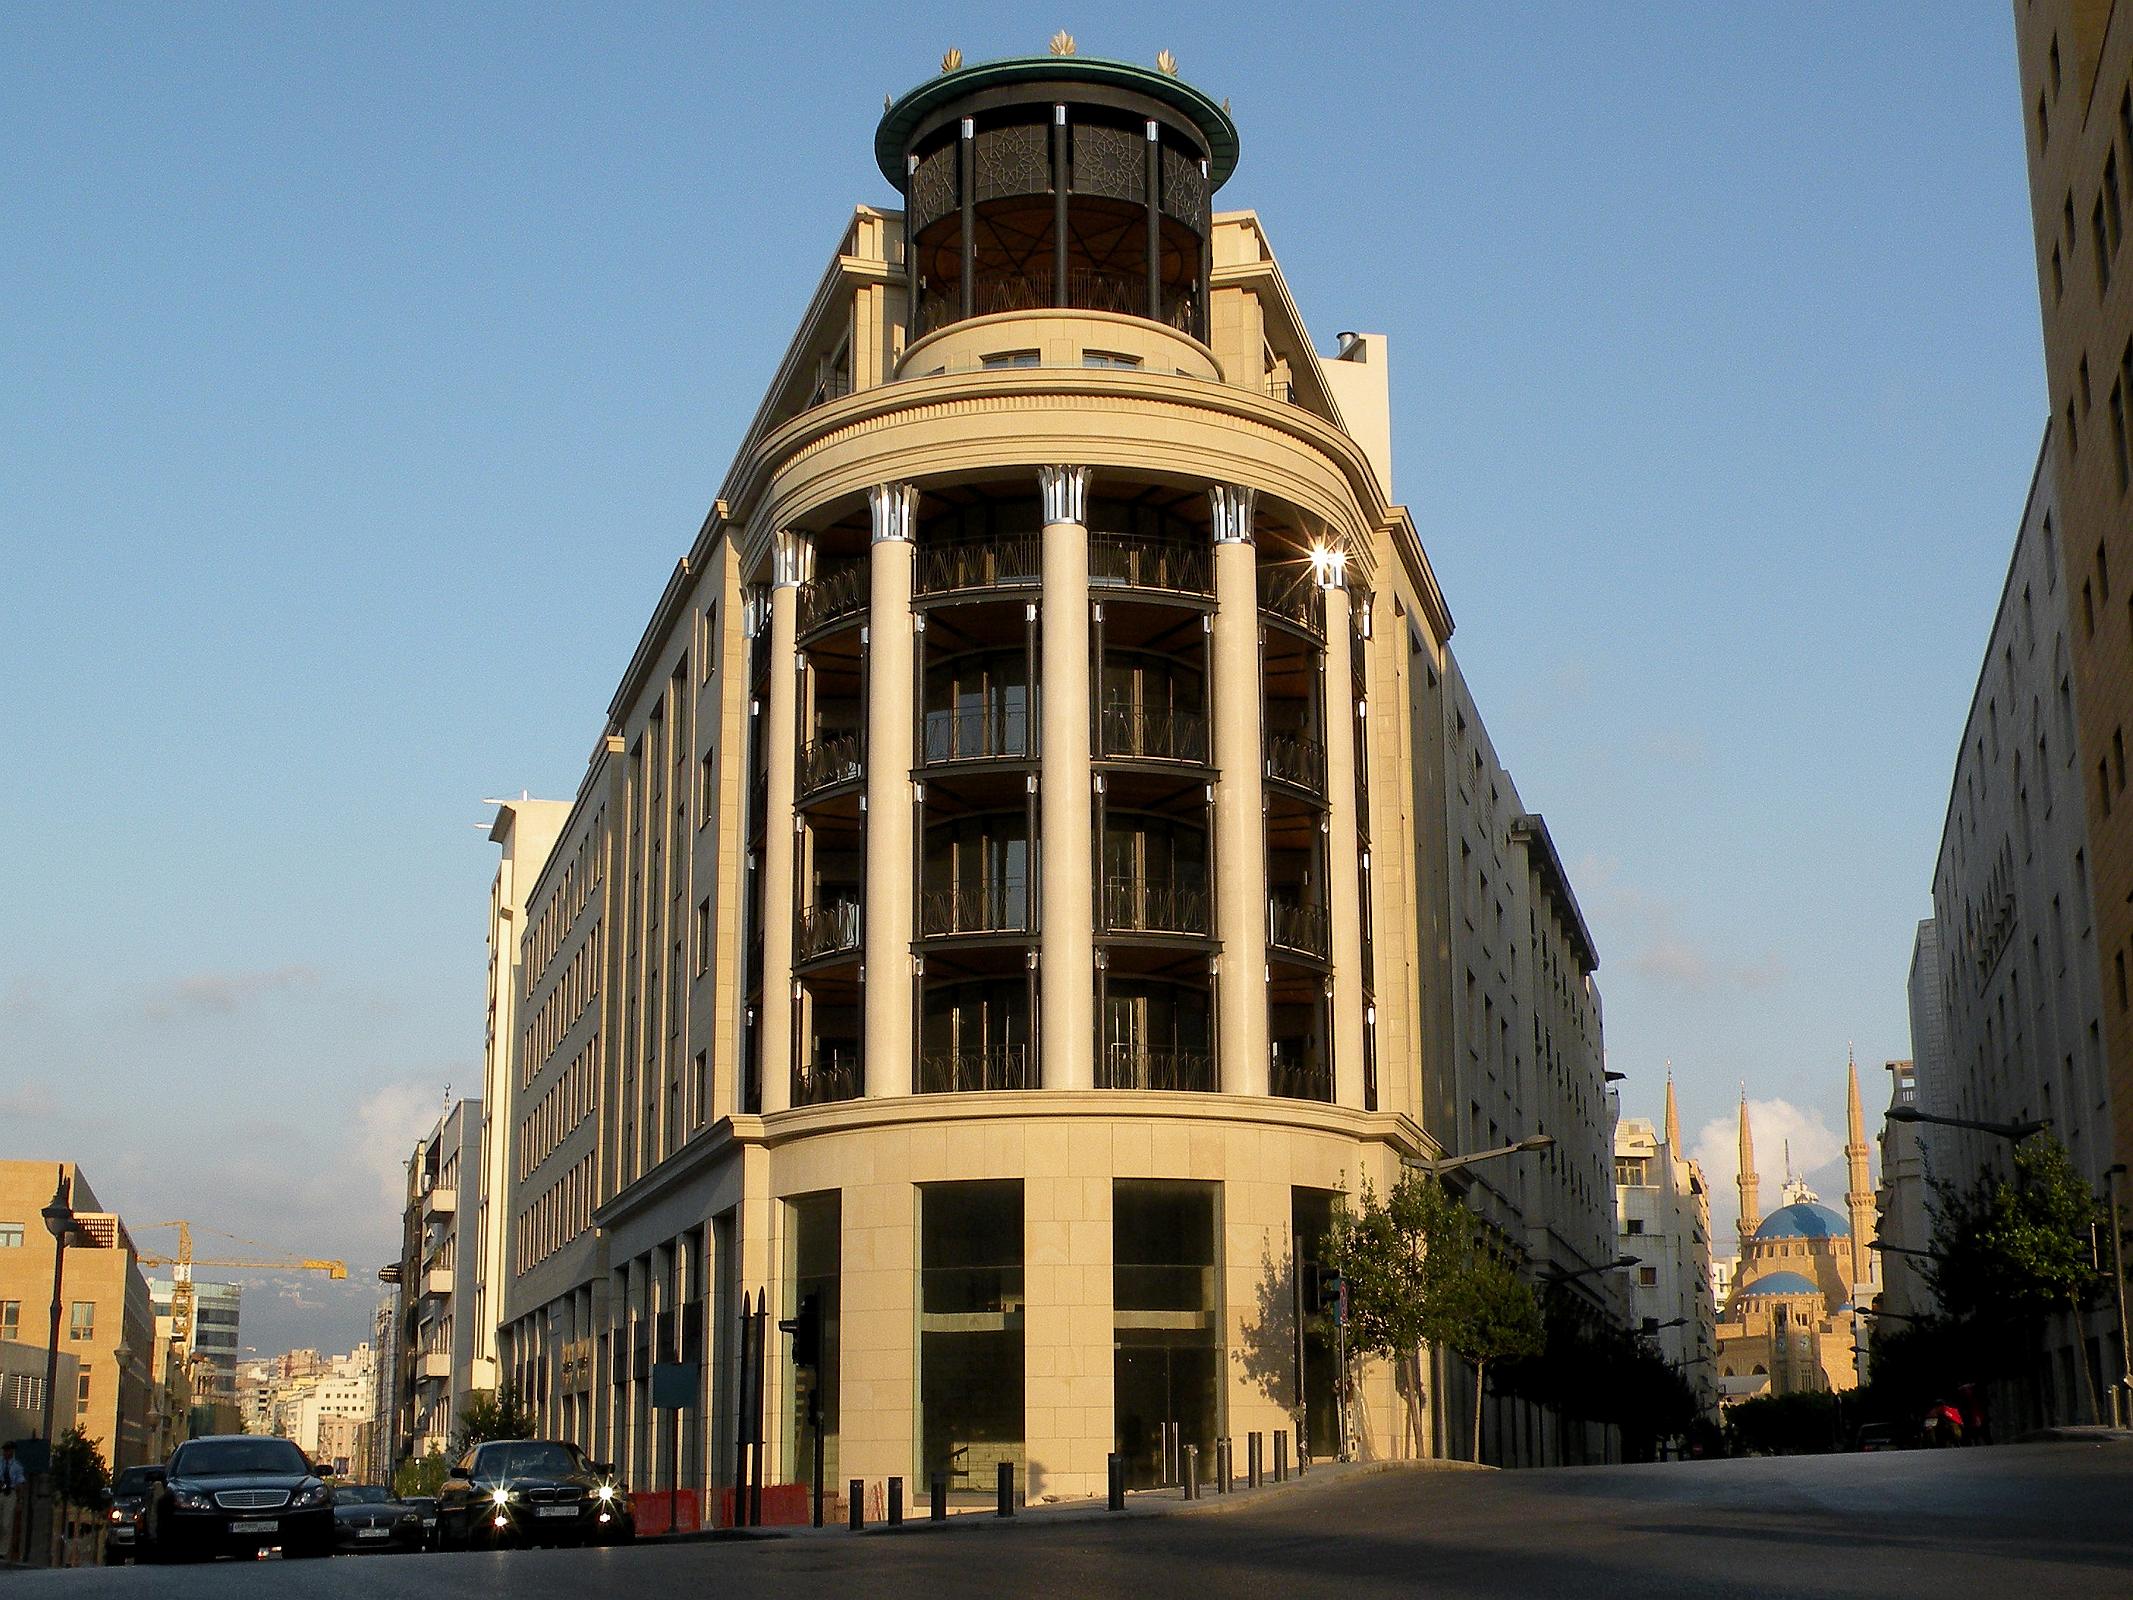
(1167, 1323)
(81, 1320)
(813, 1272)
(1647, 1276)
(703, 936)
(1311, 1214)
(1003, 359)
(10, 1236)
(1104, 358)
(970, 1332)
(10, 1319)
(81, 1396)
(1633, 1225)
(706, 786)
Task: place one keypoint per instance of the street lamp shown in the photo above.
(2013, 1132)
(1556, 1275)
(1905, 1250)
(1892, 1316)
(1442, 1164)
(59, 1218)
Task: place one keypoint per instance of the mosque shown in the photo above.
(1789, 1323)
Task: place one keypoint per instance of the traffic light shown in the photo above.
(1325, 1292)
(806, 1332)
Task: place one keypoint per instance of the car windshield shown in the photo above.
(362, 1494)
(134, 1480)
(525, 1461)
(217, 1457)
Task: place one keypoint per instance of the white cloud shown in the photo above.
(1649, 926)
(33, 1102)
(388, 1121)
(1776, 1125)
(223, 993)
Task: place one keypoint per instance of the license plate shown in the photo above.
(373, 1533)
(555, 1511)
(269, 1526)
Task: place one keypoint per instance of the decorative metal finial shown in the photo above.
(1166, 63)
(1062, 43)
(887, 101)
(952, 60)
(1225, 105)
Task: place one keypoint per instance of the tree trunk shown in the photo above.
(1417, 1431)
(1480, 1370)
(2081, 1359)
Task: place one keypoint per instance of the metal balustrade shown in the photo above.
(993, 294)
(1136, 561)
(1302, 928)
(1304, 1077)
(1146, 733)
(1129, 1066)
(1293, 594)
(1006, 1066)
(1134, 905)
(975, 908)
(1011, 562)
(986, 733)
(1298, 759)
(837, 591)
(837, 1076)
(826, 929)
(824, 763)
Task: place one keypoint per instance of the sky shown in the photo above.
(365, 369)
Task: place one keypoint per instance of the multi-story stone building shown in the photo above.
(1663, 1211)
(1903, 1205)
(106, 1324)
(1040, 856)
(436, 1335)
(2013, 1016)
(213, 1353)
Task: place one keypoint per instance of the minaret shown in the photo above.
(1673, 1120)
(1751, 1186)
(1858, 1187)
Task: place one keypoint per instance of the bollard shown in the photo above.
(1222, 1465)
(1007, 1488)
(1254, 1458)
(859, 1504)
(940, 1497)
(1115, 1466)
(1192, 1472)
(896, 1502)
(1281, 1455)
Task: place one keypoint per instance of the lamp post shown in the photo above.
(2012, 1132)
(59, 1218)
(1620, 1263)
(2124, 1398)
(1438, 1167)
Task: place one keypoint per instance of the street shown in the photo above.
(2031, 1521)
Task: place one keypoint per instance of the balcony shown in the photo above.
(1299, 928)
(826, 930)
(1292, 595)
(978, 908)
(1300, 1077)
(438, 1281)
(1135, 561)
(836, 1076)
(439, 1201)
(1013, 562)
(433, 1366)
(841, 591)
(1297, 759)
(1127, 732)
(1006, 1066)
(1088, 289)
(828, 762)
(983, 733)
(1132, 905)
(1128, 1066)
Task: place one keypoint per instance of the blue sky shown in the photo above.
(367, 368)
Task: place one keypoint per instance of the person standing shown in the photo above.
(14, 1501)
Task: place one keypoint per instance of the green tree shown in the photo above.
(2010, 1253)
(491, 1414)
(79, 1475)
(420, 1475)
(1490, 1315)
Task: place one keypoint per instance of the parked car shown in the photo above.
(531, 1491)
(129, 1502)
(367, 1517)
(1876, 1436)
(425, 1506)
(236, 1495)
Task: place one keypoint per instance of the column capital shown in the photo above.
(1232, 503)
(792, 558)
(895, 510)
(1066, 494)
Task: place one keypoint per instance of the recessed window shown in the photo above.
(81, 1320)
(1002, 359)
(1106, 358)
(10, 1236)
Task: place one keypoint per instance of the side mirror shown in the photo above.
(604, 1468)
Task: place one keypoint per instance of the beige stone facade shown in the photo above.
(1015, 893)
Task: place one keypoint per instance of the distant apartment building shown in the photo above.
(1040, 855)
(1903, 1205)
(217, 1347)
(1663, 1210)
(435, 1336)
(380, 1440)
(2012, 1012)
(106, 1324)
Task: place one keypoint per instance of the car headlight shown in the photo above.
(191, 1500)
(316, 1495)
(120, 1514)
(500, 1497)
(606, 1492)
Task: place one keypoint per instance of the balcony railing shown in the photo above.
(839, 591)
(1293, 595)
(1134, 905)
(825, 763)
(980, 564)
(986, 733)
(1301, 1077)
(1006, 1066)
(1087, 290)
(826, 929)
(1296, 927)
(1145, 733)
(837, 1076)
(1134, 561)
(976, 908)
(1296, 758)
(1130, 1066)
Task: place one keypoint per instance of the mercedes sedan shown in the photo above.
(531, 1491)
(236, 1495)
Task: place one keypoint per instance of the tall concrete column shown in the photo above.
(1066, 1022)
(1344, 902)
(1242, 1035)
(792, 561)
(889, 759)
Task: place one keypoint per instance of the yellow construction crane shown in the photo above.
(181, 1276)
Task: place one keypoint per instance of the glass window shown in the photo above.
(1010, 358)
(970, 1332)
(81, 1320)
(813, 1262)
(10, 1318)
(1167, 1334)
(10, 1236)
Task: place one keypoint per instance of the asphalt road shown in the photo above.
(2016, 1523)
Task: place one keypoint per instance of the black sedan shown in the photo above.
(236, 1495)
(366, 1517)
(531, 1491)
(129, 1502)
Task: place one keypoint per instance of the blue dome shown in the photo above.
(1803, 1219)
(1781, 1283)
